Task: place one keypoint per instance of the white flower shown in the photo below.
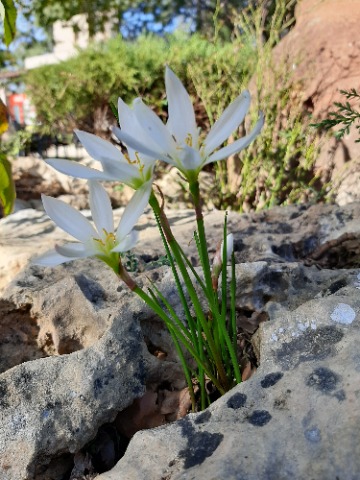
(219, 255)
(178, 142)
(219, 259)
(132, 169)
(100, 241)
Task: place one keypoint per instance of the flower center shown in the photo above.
(106, 243)
(136, 162)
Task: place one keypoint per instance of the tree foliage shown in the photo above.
(138, 15)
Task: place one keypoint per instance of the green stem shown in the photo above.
(157, 309)
(124, 275)
(189, 318)
(204, 254)
(173, 333)
(191, 290)
(222, 326)
(233, 303)
(186, 371)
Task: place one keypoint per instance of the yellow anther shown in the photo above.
(99, 241)
(140, 165)
(109, 236)
(189, 140)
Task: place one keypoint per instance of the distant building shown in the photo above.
(68, 38)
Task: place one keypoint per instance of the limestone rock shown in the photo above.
(295, 233)
(96, 358)
(297, 417)
(93, 367)
(77, 351)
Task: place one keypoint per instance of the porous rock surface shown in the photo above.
(77, 349)
(294, 233)
(297, 417)
(92, 367)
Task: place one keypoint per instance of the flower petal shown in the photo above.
(100, 207)
(181, 122)
(232, 117)
(133, 211)
(238, 144)
(127, 118)
(128, 123)
(100, 149)
(154, 127)
(75, 169)
(138, 145)
(127, 243)
(122, 171)
(50, 259)
(68, 219)
(73, 250)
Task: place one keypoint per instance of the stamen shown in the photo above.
(131, 162)
(107, 242)
(109, 236)
(140, 165)
(99, 241)
(189, 140)
(137, 158)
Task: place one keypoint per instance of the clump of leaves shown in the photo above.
(345, 115)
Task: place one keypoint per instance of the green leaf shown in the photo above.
(9, 16)
(7, 186)
(114, 111)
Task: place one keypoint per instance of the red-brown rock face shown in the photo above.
(324, 51)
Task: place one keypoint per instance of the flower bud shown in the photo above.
(229, 246)
(218, 259)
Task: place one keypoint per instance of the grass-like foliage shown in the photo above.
(279, 168)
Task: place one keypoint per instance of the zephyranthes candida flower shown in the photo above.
(129, 168)
(99, 240)
(178, 142)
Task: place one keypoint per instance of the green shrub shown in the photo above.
(277, 169)
(76, 93)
